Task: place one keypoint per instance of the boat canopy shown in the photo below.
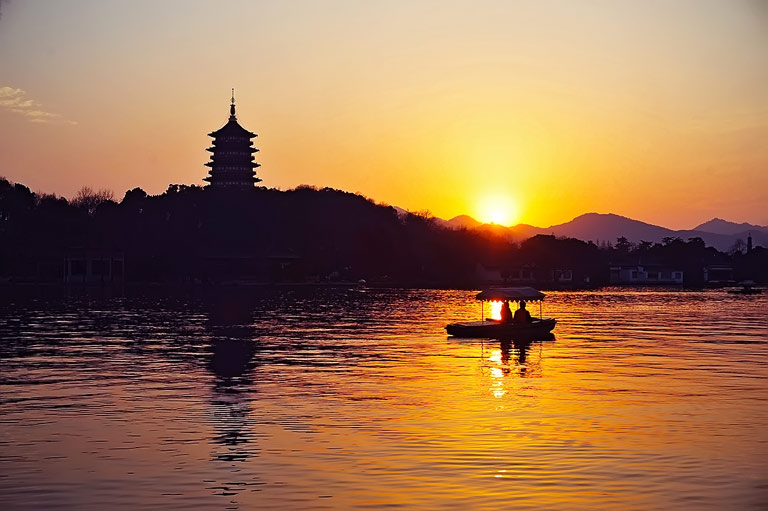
(512, 294)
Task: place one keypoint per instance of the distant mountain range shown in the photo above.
(720, 226)
(598, 227)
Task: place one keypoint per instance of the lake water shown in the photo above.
(346, 399)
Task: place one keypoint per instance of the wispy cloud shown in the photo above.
(1, 7)
(16, 100)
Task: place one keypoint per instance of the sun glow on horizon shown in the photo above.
(495, 312)
(499, 210)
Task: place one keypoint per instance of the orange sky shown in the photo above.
(653, 110)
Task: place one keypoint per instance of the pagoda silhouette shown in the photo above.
(232, 163)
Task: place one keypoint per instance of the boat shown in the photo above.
(746, 289)
(540, 327)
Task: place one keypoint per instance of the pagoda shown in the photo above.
(232, 163)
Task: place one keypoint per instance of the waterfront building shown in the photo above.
(645, 274)
(83, 266)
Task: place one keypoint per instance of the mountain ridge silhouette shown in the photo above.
(607, 227)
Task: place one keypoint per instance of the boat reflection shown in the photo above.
(512, 357)
(521, 347)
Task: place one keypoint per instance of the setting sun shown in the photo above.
(500, 210)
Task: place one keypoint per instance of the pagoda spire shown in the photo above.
(232, 107)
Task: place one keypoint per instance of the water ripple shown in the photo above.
(334, 398)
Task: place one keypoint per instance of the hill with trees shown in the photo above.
(190, 234)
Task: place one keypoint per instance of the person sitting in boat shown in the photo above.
(521, 314)
(506, 313)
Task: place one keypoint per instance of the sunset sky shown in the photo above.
(530, 112)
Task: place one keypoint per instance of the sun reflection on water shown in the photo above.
(497, 371)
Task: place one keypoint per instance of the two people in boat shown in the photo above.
(521, 315)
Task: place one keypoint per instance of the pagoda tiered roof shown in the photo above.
(232, 129)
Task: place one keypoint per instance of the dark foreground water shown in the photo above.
(347, 399)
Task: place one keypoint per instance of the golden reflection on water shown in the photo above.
(349, 400)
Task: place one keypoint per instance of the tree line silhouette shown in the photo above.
(202, 235)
